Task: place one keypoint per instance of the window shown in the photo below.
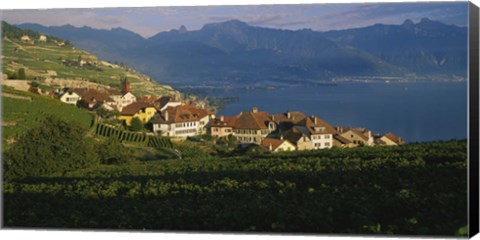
(327, 144)
(327, 136)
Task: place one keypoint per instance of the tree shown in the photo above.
(111, 151)
(21, 73)
(54, 146)
(136, 124)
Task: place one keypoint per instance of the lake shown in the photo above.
(415, 111)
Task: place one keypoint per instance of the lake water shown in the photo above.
(414, 111)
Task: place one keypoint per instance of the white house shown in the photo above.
(42, 38)
(122, 99)
(320, 132)
(181, 121)
(70, 97)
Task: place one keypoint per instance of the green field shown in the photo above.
(416, 189)
(25, 114)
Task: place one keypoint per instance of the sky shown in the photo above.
(147, 21)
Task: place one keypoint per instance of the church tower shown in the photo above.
(125, 86)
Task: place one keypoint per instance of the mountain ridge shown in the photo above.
(234, 52)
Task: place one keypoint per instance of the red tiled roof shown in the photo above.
(134, 108)
(313, 123)
(92, 95)
(113, 91)
(227, 122)
(396, 139)
(252, 120)
(361, 132)
(178, 114)
(293, 135)
(275, 143)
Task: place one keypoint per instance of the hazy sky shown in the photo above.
(151, 20)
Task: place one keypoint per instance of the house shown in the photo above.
(25, 38)
(277, 145)
(143, 111)
(339, 141)
(69, 97)
(358, 136)
(389, 139)
(287, 120)
(42, 38)
(221, 127)
(92, 99)
(121, 98)
(298, 138)
(320, 132)
(181, 121)
(253, 127)
(164, 102)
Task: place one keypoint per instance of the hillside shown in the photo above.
(53, 61)
(22, 110)
(235, 53)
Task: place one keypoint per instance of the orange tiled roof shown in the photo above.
(227, 122)
(398, 140)
(275, 143)
(92, 95)
(313, 123)
(293, 135)
(252, 120)
(178, 114)
(134, 108)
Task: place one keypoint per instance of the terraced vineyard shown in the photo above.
(43, 60)
(132, 137)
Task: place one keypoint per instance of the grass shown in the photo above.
(25, 114)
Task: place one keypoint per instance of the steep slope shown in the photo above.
(59, 61)
(427, 47)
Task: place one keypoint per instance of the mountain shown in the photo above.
(54, 58)
(239, 53)
(235, 53)
(106, 44)
(427, 47)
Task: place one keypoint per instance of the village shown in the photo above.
(179, 119)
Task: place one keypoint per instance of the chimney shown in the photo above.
(254, 110)
(314, 119)
(222, 118)
(166, 115)
(270, 147)
(281, 137)
(289, 115)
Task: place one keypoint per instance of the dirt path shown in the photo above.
(9, 95)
